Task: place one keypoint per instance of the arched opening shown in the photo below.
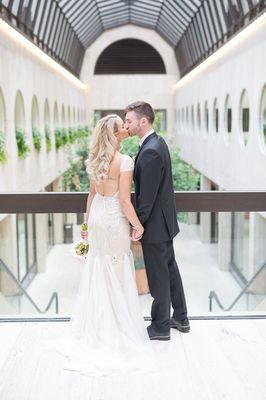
(35, 124)
(130, 56)
(228, 118)
(63, 116)
(187, 121)
(47, 126)
(19, 112)
(244, 117)
(69, 122)
(3, 153)
(198, 119)
(215, 116)
(22, 146)
(206, 118)
(263, 116)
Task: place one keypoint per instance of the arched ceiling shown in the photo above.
(90, 18)
(194, 28)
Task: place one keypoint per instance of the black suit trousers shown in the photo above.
(165, 284)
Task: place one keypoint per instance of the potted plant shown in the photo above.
(48, 138)
(58, 139)
(3, 154)
(23, 148)
(37, 139)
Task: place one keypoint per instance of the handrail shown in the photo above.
(74, 202)
(214, 296)
(53, 297)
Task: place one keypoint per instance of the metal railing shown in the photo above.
(54, 297)
(194, 201)
(214, 296)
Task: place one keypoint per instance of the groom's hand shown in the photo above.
(137, 233)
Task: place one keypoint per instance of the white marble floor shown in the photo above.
(217, 360)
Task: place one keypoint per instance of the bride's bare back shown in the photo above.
(110, 185)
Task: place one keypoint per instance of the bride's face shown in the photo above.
(122, 132)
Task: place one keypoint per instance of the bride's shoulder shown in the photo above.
(127, 163)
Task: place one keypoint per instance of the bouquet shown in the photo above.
(81, 248)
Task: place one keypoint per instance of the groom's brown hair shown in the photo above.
(142, 109)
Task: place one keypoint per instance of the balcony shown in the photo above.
(223, 271)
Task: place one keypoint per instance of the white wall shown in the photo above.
(22, 70)
(230, 165)
(117, 91)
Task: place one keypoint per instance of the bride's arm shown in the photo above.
(84, 234)
(90, 198)
(125, 201)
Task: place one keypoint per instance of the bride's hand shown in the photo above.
(137, 232)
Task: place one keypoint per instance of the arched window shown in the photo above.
(63, 116)
(130, 56)
(69, 121)
(192, 120)
(56, 116)
(21, 137)
(3, 152)
(198, 119)
(263, 117)
(187, 122)
(244, 117)
(35, 125)
(47, 126)
(206, 118)
(228, 118)
(215, 116)
(183, 121)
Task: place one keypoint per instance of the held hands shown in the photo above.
(137, 232)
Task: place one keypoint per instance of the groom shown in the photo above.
(155, 207)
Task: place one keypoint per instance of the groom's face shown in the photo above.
(132, 123)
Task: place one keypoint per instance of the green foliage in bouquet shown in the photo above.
(58, 139)
(3, 154)
(23, 148)
(48, 138)
(37, 139)
(82, 249)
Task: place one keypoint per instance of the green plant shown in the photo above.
(76, 178)
(71, 135)
(130, 146)
(48, 138)
(64, 136)
(58, 138)
(184, 177)
(3, 154)
(264, 132)
(23, 148)
(37, 139)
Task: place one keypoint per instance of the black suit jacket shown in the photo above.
(154, 192)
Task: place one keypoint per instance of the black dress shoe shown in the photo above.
(182, 326)
(153, 335)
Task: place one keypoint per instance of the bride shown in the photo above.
(107, 326)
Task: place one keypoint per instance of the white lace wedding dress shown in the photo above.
(107, 332)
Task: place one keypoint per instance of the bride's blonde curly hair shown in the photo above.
(103, 147)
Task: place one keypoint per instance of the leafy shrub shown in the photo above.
(23, 148)
(37, 139)
(48, 140)
(3, 154)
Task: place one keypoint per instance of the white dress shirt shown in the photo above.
(145, 136)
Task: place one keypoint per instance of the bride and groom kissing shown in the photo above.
(113, 222)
